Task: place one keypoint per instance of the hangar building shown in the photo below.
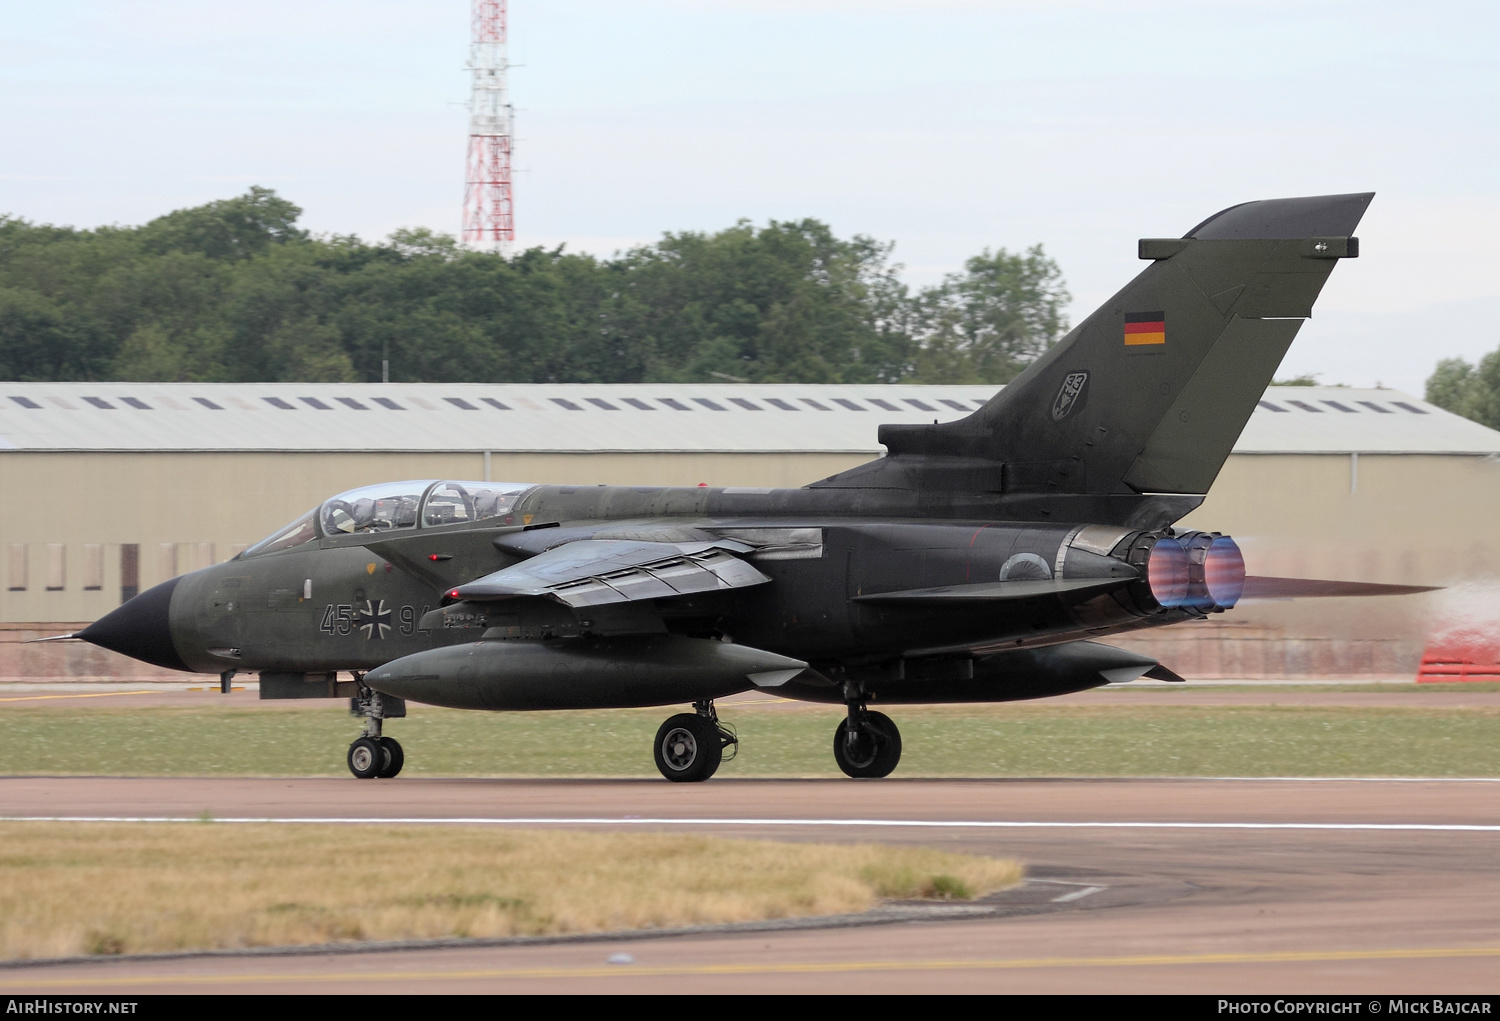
(109, 488)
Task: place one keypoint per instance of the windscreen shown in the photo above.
(295, 534)
(383, 508)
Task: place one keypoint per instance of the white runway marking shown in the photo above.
(1077, 894)
(1381, 827)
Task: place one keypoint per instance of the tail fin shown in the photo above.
(1150, 393)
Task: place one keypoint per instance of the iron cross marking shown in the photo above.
(374, 619)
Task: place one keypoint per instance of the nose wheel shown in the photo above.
(690, 747)
(372, 755)
(376, 757)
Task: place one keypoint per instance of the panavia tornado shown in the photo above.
(976, 562)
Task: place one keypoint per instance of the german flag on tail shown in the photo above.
(1143, 328)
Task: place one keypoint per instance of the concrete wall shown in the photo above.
(1425, 518)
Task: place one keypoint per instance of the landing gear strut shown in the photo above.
(372, 755)
(866, 744)
(690, 746)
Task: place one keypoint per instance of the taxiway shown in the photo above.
(1358, 886)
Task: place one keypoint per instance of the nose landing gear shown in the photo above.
(690, 746)
(373, 756)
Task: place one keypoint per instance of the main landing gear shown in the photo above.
(690, 746)
(866, 744)
(373, 756)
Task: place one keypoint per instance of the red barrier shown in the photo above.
(1463, 655)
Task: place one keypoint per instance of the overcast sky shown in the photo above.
(946, 127)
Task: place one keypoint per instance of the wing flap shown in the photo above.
(593, 572)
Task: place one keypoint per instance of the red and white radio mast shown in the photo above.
(489, 205)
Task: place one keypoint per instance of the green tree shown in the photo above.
(789, 302)
(236, 228)
(1472, 391)
(988, 323)
(235, 290)
(37, 341)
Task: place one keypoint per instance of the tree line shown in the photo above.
(235, 291)
(1472, 391)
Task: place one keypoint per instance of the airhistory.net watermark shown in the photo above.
(49, 1005)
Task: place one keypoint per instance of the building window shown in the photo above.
(17, 574)
(130, 571)
(93, 566)
(166, 561)
(57, 575)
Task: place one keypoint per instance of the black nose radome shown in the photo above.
(140, 629)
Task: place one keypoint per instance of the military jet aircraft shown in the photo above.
(974, 562)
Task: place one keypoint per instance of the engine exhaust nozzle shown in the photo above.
(1216, 570)
(1167, 572)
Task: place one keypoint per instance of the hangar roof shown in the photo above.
(765, 417)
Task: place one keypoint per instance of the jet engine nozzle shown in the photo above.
(1167, 572)
(1216, 569)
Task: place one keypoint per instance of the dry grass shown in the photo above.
(101, 888)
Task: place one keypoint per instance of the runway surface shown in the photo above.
(1204, 886)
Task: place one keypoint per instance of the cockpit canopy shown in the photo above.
(391, 506)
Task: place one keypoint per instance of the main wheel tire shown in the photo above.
(688, 748)
(394, 757)
(366, 758)
(875, 752)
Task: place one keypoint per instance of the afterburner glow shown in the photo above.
(1167, 572)
(1224, 572)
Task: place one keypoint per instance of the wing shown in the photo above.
(592, 572)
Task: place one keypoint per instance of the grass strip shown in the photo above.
(101, 888)
(1036, 739)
